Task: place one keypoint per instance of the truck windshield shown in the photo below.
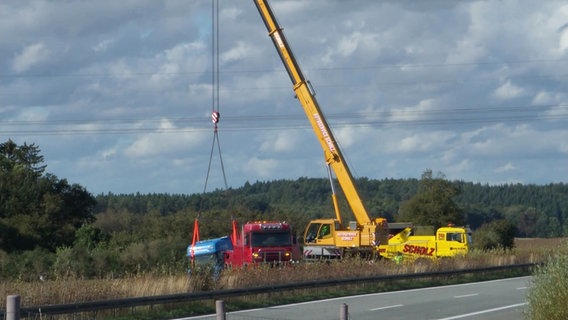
(205, 259)
(271, 239)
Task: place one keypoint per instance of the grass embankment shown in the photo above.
(549, 291)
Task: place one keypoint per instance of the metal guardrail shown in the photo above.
(100, 305)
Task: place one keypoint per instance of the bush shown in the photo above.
(498, 234)
(26, 265)
(549, 292)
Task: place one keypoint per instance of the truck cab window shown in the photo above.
(312, 232)
(454, 237)
(271, 239)
(325, 231)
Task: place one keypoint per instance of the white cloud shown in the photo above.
(108, 154)
(466, 50)
(166, 140)
(419, 142)
(236, 53)
(508, 91)
(505, 168)
(521, 141)
(30, 56)
(230, 14)
(411, 114)
(288, 7)
(351, 135)
(33, 114)
(563, 147)
(347, 45)
(171, 61)
(461, 167)
(263, 168)
(471, 45)
(543, 97)
(281, 142)
(412, 144)
(563, 39)
(558, 113)
(103, 45)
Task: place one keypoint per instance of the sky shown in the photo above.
(118, 95)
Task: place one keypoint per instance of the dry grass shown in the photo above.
(78, 290)
(549, 291)
(539, 244)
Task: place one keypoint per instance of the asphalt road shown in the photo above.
(494, 300)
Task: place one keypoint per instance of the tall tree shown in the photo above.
(433, 204)
(26, 156)
(37, 209)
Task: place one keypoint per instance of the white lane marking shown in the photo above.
(522, 288)
(395, 292)
(484, 311)
(467, 295)
(387, 307)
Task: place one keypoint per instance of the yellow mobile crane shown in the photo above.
(327, 238)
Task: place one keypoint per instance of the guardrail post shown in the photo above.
(13, 307)
(220, 308)
(343, 312)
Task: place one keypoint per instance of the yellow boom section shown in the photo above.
(332, 153)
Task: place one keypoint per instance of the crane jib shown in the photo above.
(279, 41)
(367, 232)
(324, 132)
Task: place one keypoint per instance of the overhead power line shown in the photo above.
(390, 118)
(272, 70)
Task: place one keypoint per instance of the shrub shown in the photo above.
(498, 234)
(26, 265)
(549, 292)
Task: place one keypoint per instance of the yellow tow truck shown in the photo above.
(449, 241)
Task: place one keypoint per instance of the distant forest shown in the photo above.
(535, 210)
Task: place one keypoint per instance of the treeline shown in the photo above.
(536, 210)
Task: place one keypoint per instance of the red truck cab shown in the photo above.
(263, 242)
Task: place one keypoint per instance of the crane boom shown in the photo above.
(304, 93)
(327, 238)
